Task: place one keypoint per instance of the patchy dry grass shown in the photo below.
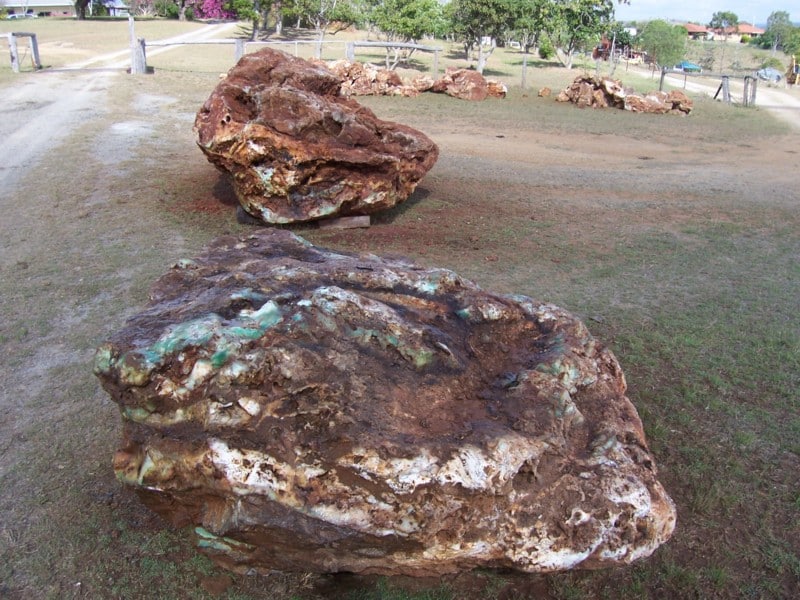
(676, 240)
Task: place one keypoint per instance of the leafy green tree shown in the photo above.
(408, 20)
(665, 43)
(779, 30)
(530, 18)
(792, 45)
(577, 23)
(247, 10)
(724, 21)
(476, 21)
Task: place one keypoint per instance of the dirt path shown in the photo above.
(44, 109)
(783, 103)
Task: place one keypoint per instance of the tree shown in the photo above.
(724, 21)
(247, 10)
(324, 14)
(665, 43)
(577, 22)
(529, 21)
(479, 21)
(406, 21)
(779, 29)
(80, 8)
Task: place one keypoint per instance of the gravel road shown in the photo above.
(40, 111)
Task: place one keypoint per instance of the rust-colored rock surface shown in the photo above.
(469, 85)
(602, 92)
(298, 151)
(314, 411)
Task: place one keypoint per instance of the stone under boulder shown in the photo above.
(297, 151)
(307, 410)
(602, 92)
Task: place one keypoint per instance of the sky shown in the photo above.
(701, 11)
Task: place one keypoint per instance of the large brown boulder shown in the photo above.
(298, 151)
(315, 411)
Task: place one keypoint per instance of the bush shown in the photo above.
(745, 39)
(546, 50)
(773, 62)
(170, 10)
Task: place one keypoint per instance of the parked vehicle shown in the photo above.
(769, 74)
(688, 67)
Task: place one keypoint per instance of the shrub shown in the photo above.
(546, 50)
(745, 39)
(773, 62)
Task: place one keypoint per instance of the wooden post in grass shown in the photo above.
(240, 49)
(750, 86)
(725, 88)
(435, 64)
(12, 46)
(138, 58)
(14, 50)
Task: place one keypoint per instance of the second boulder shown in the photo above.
(297, 151)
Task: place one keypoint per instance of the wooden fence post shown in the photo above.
(37, 64)
(138, 58)
(14, 50)
(750, 86)
(725, 88)
(12, 45)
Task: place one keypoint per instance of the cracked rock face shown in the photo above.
(297, 151)
(313, 411)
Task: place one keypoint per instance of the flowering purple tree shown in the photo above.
(213, 9)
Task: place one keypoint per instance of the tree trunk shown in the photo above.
(80, 9)
(278, 10)
(483, 56)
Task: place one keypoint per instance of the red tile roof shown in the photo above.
(695, 28)
(744, 29)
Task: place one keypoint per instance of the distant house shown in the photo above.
(697, 32)
(734, 34)
(42, 8)
(116, 8)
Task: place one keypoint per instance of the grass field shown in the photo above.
(675, 239)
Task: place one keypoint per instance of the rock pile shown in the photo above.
(466, 84)
(314, 411)
(589, 91)
(298, 151)
(365, 79)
